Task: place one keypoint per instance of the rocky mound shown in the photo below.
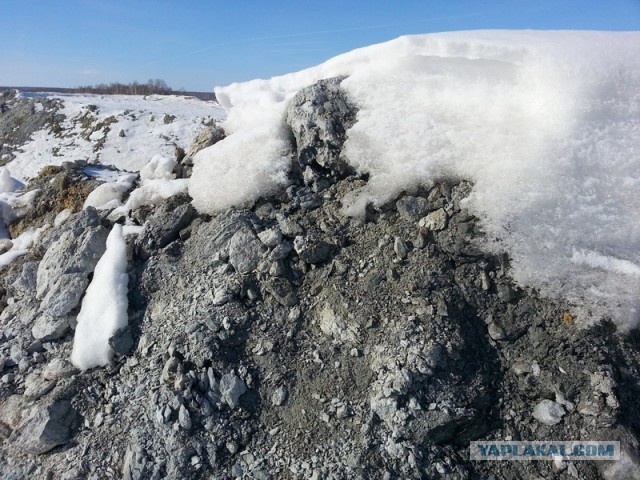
(287, 340)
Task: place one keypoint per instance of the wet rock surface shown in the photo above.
(291, 342)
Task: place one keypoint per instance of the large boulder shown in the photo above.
(319, 117)
(63, 273)
(48, 427)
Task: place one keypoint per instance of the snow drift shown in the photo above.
(546, 125)
(104, 307)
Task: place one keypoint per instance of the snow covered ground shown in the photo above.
(545, 123)
(150, 125)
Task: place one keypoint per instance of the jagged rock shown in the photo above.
(245, 250)
(64, 270)
(279, 396)
(312, 251)
(412, 208)
(435, 221)
(48, 327)
(231, 389)
(319, 116)
(548, 412)
(121, 342)
(26, 282)
(58, 368)
(205, 138)
(163, 227)
(51, 425)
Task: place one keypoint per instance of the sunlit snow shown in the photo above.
(92, 119)
(545, 123)
(104, 307)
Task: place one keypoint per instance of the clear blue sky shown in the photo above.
(197, 44)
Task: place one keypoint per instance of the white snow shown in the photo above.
(8, 184)
(158, 167)
(141, 118)
(545, 123)
(104, 307)
(157, 183)
(21, 245)
(109, 195)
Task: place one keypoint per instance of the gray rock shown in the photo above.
(435, 221)
(231, 389)
(282, 291)
(64, 269)
(400, 248)
(48, 327)
(205, 138)
(319, 116)
(37, 386)
(77, 223)
(136, 463)
(163, 227)
(279, 396)
(271, 237)
(412, 208)
(548, 412)
(58, 368)
(312, 251)
(122, 342)
(245, 250)
(184, 418)
(48, 427)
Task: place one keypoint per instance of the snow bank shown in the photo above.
(546, 125)
(104, 307)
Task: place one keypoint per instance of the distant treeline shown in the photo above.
(152, 87)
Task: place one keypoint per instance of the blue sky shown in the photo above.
(197, 44)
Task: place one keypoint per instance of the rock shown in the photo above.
(282, 291)
(121, 342)
(26, 283)
(64, 270)
(279, 396)
(231, 389)
(58, 368)
(435, 221)
(163, 227)
(48, 427)
(184, 419)
(400, 248)
(548, 412)
(245, 251)
(205, 138)
(271, 237)
(412, 208)
(48, 327)
(496, 332)
(37, 386)
(319, 116)
(136, 463)
(312, 251)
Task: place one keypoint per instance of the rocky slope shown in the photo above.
(286, 340)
